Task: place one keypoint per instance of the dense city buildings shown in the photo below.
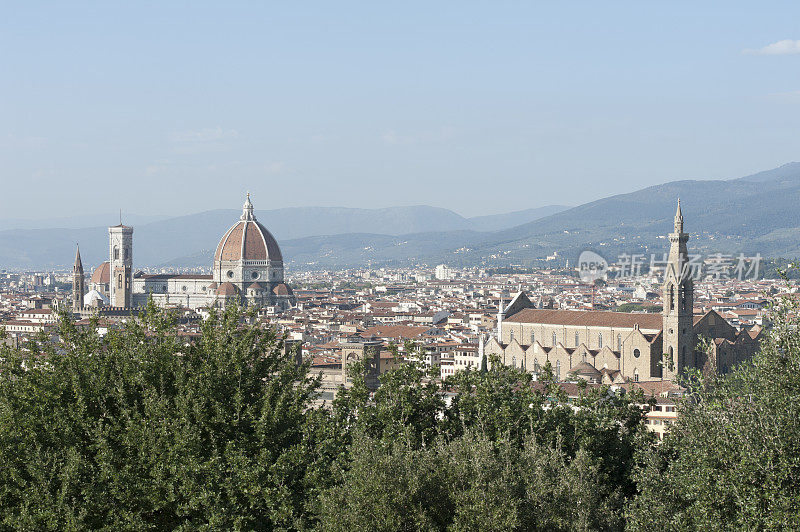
(622, 331)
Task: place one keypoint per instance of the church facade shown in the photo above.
(616, 347)
(247, 269)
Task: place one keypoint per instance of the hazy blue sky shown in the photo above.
(480, 107)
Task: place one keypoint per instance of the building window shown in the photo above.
(599, 340)
(254, 275)
(511, 337)
(636, 375)
(533, 337)
(558, 370)
(636, 353)
(116, 253)
(577, 339)
(619, 343)
(119, 281)
(125, 253)
(555, 339)
(230, 274)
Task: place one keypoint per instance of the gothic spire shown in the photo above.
(78, 267)
(679, 218)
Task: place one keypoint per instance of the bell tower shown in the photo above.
(78, 282)
(120, 286)
(678, 296)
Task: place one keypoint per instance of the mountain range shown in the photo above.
(753, 214)
(190, 240)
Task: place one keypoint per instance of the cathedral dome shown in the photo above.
(248, 240)
(101, 274)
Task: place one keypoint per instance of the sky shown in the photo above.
(170, 108)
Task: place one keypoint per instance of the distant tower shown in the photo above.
(500, 315)
(678, 297)
(120, 240)
(78, 280)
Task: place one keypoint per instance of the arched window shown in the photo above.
(555, 339)
(636, 375)
(619, 342)
(514, 361)
(116, 253)
(577, 339)
(125, 253)
(599, 340)
(511, 337)
(558, 370)
(119, 281)
(533, 337)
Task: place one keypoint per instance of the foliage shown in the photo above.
(142, 430)
(501, 455)
(638, 307)
(732, 461)
(147, 429)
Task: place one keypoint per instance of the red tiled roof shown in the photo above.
(227, 289)
(587, 318)
(101, 274)
(395, 331)
(248, 240)
(281, 290)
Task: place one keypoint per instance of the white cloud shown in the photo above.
(784, 47)
(209, 134)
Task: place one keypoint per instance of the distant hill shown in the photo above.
(496, 222)
(753, 214)
(77, 222)
(190, 240)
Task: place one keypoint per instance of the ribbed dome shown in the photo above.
(248, 240)
(101, 274)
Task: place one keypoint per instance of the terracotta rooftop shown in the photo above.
(587, 318)
(101, 274)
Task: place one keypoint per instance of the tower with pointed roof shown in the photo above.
(78, 282)
(678, 297)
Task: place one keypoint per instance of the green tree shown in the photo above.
(141, 429)
(732, 460)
